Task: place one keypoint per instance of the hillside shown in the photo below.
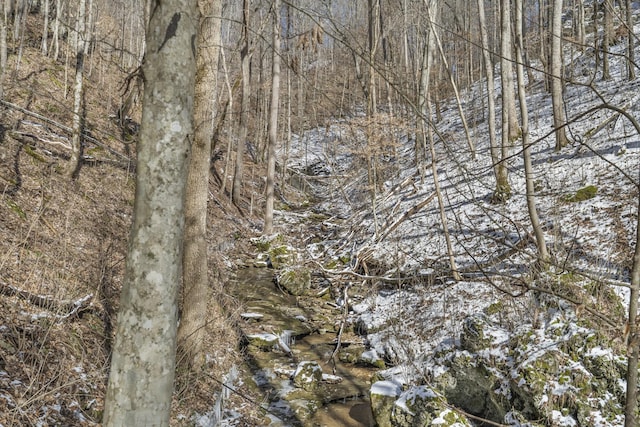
(513, 342)
(63, 244)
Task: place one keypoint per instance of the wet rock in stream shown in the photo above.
(290, 342)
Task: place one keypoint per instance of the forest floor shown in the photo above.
(63, 242)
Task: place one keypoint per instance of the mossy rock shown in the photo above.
(422, 406)
(470, 384)
(383, 395)
(303, 409)
(264, 342)
(282, 255)
(307, 376)
(494, 308)
(370, 357)
(295, 280)
(265, 243)
(473, 337)
(584, 193)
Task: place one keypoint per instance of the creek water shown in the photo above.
(307, 326)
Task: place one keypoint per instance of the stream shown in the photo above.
(283, 332)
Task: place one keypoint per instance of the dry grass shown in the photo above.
(66, 240)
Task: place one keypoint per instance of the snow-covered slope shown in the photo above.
(587, 198)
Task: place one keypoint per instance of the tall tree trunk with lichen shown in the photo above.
(144, 352)
(631, 68)
(488, 67)
(502, 191)
(506, 71)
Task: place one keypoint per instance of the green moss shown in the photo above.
(94, 150)
(265, 243)
(345, 259)
(494, 308)
(31, 152)
(17, 209)
(279, 250)
(584, 193)
(501, 194)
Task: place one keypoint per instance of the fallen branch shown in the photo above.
(66, 129)
(408, 214)
(70, 308)
(17, 135)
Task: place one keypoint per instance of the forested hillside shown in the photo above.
(314, 213)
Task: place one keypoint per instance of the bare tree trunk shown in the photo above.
(631, 68)
(374, 6)
(56, 30)
(227, 159)
(606, 38)
(543, 35)
(581, 32)
(18, 11)
(488, 67)
(273, 119)
(631, 404)
(543, 254)
(502, 192)
(3, 45)
(196, 295)
(244, 105)
(143, 363)
(45, 29)
(454, 86)
(506, 71)
(81, 50)
(559, 120)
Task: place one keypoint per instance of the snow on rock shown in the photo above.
(307, 375)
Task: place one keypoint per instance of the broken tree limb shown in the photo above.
(67, 129)
(408, 214)
(18, 135)
(62, 309)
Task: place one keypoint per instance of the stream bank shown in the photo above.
(291, 348)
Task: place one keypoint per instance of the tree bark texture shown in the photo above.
(559, 119)
(245, 59)
(196, 295)
(631, 70)
(273, 119)
(488, 66)
(506, 71)
(81, 50)
(543, 254)
(143, 361)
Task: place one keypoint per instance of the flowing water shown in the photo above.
(297, 322)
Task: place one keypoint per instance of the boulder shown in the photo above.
(262, 341)
(473, 337)
(383, 395)
(422, 406)
(307, 375)
(295, 280)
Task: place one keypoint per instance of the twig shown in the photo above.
(342, 323)
(408, 214)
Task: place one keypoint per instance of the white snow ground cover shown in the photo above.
(591, 241)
